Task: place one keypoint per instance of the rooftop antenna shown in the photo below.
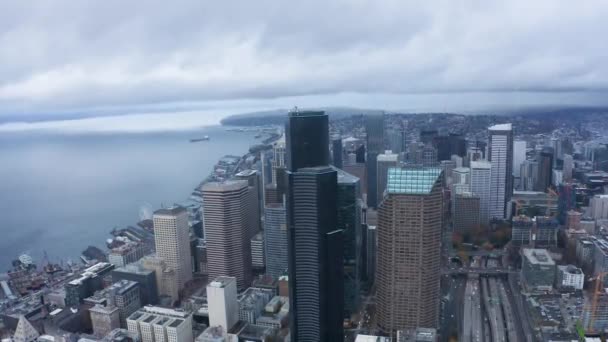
(295, 110)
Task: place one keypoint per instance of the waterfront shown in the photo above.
(62, 192)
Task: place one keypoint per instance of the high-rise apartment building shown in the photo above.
(315, 243)
(374, 126)
(409, 235)
(223, 304)
(172, 239)
(384, 161)
(275, 239)
(228, 229)
(500, 154)
(480, 186)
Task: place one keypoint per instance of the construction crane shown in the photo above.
(597, 292)
(553, 194)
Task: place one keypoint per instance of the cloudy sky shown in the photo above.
(136, 56)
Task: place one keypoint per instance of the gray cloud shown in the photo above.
(66, 55)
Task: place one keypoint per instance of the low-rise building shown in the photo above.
(521, 230)
(538, 269)
(155, 324)
(252, 302)
(570, 276)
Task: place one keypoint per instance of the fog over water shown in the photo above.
(60, 192)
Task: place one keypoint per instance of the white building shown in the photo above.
(222, 302)
(257, 250)
(598, 207)
(156, 324)
(480, 186)
(500, 154)
(172, 240)
(570, 276)
(384, 161)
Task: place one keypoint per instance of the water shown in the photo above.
(60, 193)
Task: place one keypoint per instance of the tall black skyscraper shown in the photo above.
(336, 149)
(545, 169)
(374, 127)
(315, 244)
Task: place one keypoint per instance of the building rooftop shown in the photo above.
(481, 164)
(538, 256)
(134, 268)
(412, 181)
(228, 185)
(246, 173)
(298, 112)
(501, 127)
(345, 177)
(388, 156)
(570, 269)
(170, 211)
(220, 282)
(370, 338)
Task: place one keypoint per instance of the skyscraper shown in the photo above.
(480, 186)
(374, 127)
(500, 154)
(384, 161)
(545, 169)
(275, 240)
(255, 204)
(336, 150)
(409, 235)
(225, 212)
(519, 156)
(349, 221)
(315, 244)
(568, 166)
(172, 239)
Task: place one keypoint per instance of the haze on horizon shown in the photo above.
(114, 57)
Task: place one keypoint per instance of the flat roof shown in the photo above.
(501, 127)
(481, 164)
(412, 181)
(170, 211)
(228, 185)
(538, 256)
(221, 282)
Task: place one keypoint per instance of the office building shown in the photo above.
(466, 211)
(519, 156)
(546, 231)
(461, 175)
(480, 186)
(104, 319)
(568, 167)
(537, 270)
(500, 154)
(349, 221)
(600, 257)
(384, 161)
(336, 152)
(172, 240)
(528, 178)
(25, 331)
(598, 207)
(566, 201)
(396, 140)
(374, 126)
(570, 276)
(255, 204)
(252, 302)
(573, 220)
(315, 245)
(145, 278)
(584, 253)
(127, 253)
(257, 251)
(228, 230)
(222, 301)
(156, 324)
(521, 230)
(409, 248)
(595, 312)
(545, 169)
(166, 277)
(417, 335)
(278, 158)
(89, 281)
(122, 295)
(275, 240)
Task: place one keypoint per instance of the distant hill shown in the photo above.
(277, 117)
